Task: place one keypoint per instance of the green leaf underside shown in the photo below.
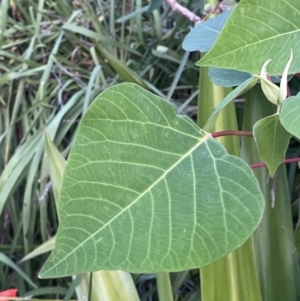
(290, 115)
(272, 141)
(258, 30)
(227, 77)
(145, 190)
(204, 34)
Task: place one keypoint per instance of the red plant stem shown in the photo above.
(249, 134)
(231, 133)
(287, 161)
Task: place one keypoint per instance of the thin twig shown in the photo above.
(287, 161)
(183, 11)
(231, 133)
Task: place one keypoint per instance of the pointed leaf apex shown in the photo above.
(283, 83)
(263, 72)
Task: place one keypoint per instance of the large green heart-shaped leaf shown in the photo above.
(258, 30)
(146, 190)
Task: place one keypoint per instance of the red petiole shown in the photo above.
(249, 134)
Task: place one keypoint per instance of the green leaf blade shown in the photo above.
(278, 32)
(272, 141)
(146, 190)
(290, 115)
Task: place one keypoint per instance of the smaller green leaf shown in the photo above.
(290, 115)
(203, 36)
(242, 88)
(297, 238)
(272, 141)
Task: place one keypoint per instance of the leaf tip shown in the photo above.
(47, 271)
(283, 83)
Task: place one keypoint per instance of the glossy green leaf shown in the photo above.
(146, 190)
(258, 30)
(272, 141)
(290, 115)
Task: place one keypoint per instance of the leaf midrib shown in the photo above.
(250, 45)
(202, 140)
